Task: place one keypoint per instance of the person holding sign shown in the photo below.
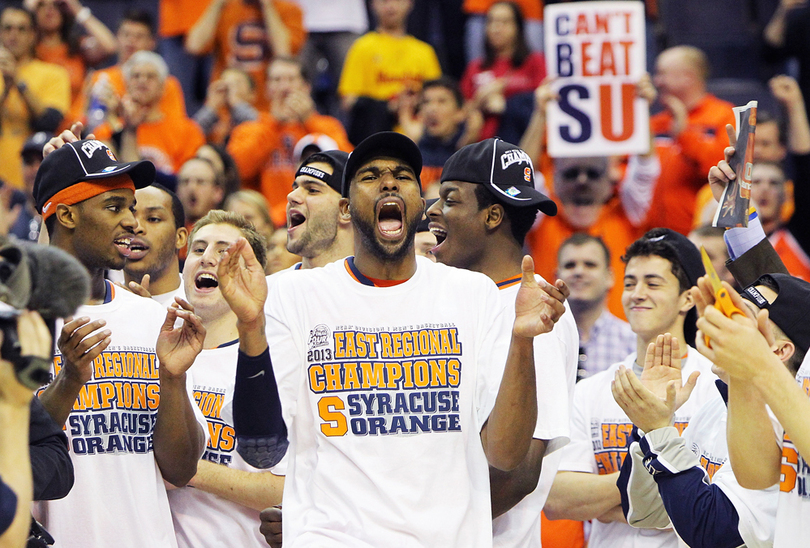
(590, 197)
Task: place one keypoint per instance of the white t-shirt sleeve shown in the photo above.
(552, 354)
(578, 455)
(285, 354)
(494, 339)
(197, 412)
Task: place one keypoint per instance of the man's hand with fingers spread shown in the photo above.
(81, 342)
(178, 347)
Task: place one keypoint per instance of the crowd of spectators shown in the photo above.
(227, 98)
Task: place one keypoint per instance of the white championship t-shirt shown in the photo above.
(601, 434)
(556, 357)
(793, 510)
(385, 391)
(118, 498)
(202, 519)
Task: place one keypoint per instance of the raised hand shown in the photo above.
(178, 347)
(81, 341)
(242, 281)
(662, 373)
(646, 410)
(537, 307)
(68, 136)
(722, 174)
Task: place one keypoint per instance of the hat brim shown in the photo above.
(141, 172)
(523, 196)
(385, 143)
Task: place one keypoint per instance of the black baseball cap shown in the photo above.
(504, 169)
(687, 253)
(790, 311)
(335, 158)
(35, 143)
(87, 160)
(384, 143)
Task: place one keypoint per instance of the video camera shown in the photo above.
(40, 278)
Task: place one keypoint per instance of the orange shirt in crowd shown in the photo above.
(74, 64)
(176, 17)
(241, 41)
(796, 260)
(168, 142)
(612, 226)
(172, 103)
(532, 9)
(686, 160)
(263, 152)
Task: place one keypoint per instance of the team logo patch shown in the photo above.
(516, 156)
(111, 155)
(90, 147)
(318, 336)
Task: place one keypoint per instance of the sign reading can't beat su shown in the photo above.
(597, 52)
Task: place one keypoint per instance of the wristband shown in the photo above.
(83, 15)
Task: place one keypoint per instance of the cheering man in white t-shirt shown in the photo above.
(398, 384)
(487, 203)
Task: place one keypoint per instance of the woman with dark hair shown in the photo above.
(501, 83)
(70, 36)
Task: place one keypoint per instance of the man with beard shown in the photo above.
(316, 228)
(152, 268)
(592, 198)
(397, 386)
(480, 220)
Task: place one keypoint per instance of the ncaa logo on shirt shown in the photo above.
(319, 336)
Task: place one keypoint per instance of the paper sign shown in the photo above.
(597, 50)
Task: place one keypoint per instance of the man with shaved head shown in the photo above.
(689, 135)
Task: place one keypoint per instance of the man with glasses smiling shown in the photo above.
(589, 198)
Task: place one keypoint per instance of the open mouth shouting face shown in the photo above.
(200, 270)
(458, 224)
(386, 206)
(312, 214)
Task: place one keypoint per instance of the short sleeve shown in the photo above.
(578, 455)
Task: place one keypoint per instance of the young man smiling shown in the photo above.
(393, 380)
(152, 268)
(480, 220)
(660, 269)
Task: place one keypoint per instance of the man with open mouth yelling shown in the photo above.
(401, 380)
(487, 204)
(316, 228)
